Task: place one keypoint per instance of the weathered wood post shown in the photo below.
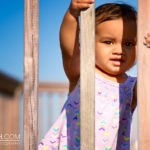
(143, 75)
(31, 47)
(87, 108)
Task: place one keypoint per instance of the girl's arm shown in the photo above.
(69, 43)
(69, 40)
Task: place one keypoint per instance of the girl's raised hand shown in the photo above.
(77, 5)
(147, 40)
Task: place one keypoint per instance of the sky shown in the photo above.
(12, 38)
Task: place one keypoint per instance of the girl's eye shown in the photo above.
(108, 42)
(129, 44)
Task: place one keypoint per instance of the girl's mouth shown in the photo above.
(117, 62)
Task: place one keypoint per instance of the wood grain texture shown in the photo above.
(53, 87)
(143, 75)
(31, 47)
(87, 108)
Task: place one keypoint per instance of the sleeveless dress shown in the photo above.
(112, 118)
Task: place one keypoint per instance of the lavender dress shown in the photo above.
(113, 118)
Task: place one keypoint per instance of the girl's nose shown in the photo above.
(118, 49)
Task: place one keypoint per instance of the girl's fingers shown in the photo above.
(147, 40)
(77, 5)
(83, 5)
(148, 34)
(80, 5)
(83, 1)
(88, 1)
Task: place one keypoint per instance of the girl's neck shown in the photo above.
(121, 78)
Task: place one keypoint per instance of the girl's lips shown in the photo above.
(117, 62)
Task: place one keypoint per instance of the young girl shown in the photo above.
(115, 91)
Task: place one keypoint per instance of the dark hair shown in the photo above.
(111, 11)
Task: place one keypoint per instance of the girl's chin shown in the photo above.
(111, 71)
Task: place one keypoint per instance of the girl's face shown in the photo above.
(116, 46)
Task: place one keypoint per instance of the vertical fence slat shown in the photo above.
(143, 75)
(31, 74)
(87, 108)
